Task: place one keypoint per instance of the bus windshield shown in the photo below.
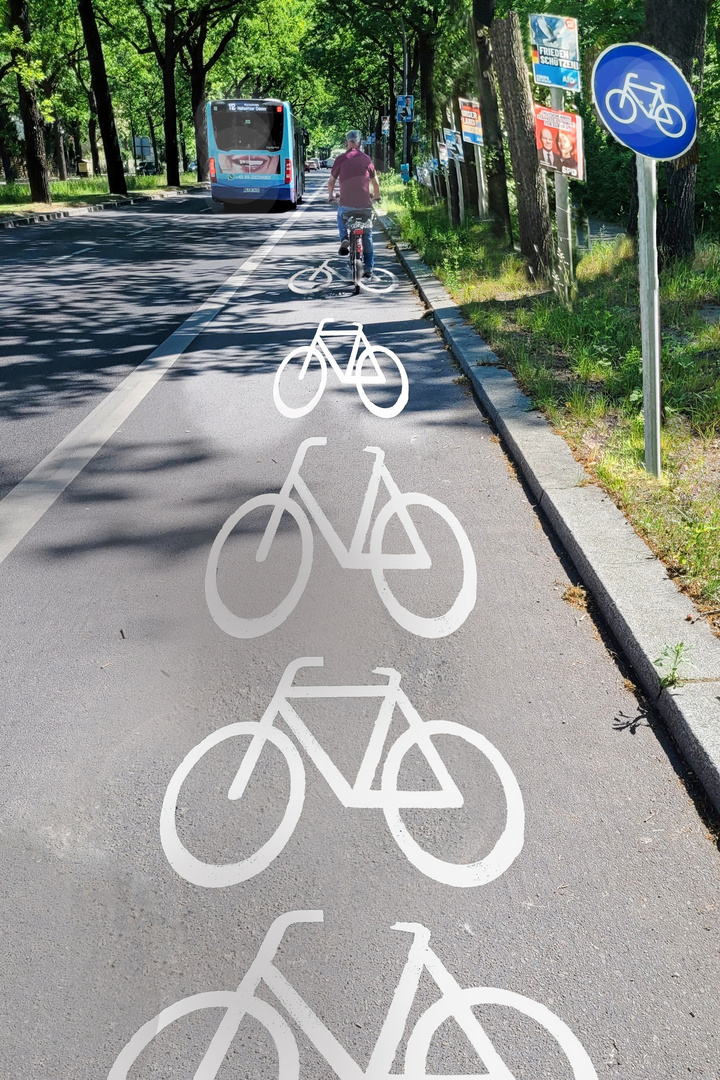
(240, 125)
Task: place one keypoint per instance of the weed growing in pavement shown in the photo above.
(672, 657)
(582, 367)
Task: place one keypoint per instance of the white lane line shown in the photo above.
(72, 254)
(26, 503)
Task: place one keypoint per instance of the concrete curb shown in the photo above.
(76, 211)
(642, 606)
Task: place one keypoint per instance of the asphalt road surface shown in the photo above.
(332, 782)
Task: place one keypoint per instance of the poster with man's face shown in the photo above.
(559, 142)
(453, 142)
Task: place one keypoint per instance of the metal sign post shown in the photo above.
(563, 212)
(647, 104)
(649, 308)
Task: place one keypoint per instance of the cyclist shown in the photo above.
(356, 174)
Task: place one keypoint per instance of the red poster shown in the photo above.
(559, 141)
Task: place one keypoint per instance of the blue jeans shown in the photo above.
(344, 212)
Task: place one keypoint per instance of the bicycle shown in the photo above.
(360, 795)
(352, 558)
(353, 375)
(659, 110)
(455, 1002)
(309, 280)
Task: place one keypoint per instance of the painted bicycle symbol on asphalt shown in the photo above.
(390, 798)
(455, 1003)
(626, 100)
(354, 557)
(309, 280)
(364, 370)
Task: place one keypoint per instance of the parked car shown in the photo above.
(146, 168)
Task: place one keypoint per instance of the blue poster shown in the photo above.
(555, 52)
(405, 108)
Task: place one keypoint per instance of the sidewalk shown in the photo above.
(642, 606)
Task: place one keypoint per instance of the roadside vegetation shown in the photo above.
(581, 366)
(15, 198)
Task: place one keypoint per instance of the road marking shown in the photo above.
(72, 254)
(390, 798)
(23, 507)
(355, 557)
(423, 963)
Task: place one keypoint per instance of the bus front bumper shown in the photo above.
(241, 193)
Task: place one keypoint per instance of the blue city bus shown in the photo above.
(257, 152)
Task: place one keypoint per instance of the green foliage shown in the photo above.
(582, 366)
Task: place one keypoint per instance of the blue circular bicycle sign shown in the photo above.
(645, 101)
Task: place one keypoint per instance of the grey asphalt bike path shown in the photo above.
(114, 670)
(84, 300)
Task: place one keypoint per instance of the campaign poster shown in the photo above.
(470, 121)
(386, 125)
(405, 108)
(453, 143)
(442, 153)
(555, 52)
(559, 141)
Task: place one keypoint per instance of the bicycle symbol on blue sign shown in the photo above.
(645, 101)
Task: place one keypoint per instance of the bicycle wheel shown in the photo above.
(508, 846)
(235, 625)
(465, 600)
(452, 1006)
(382, 281)
(377, 378)
(212, 875)
(356, 263)
(303, 363)
(308, 280)
(270, 1018)
(671, 121)
(625, 111)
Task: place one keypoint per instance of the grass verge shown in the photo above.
(83, 191)
(581, 366)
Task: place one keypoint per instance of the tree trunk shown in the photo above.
(153, 140)
(426, 44)
(6, 162)
(77, 142)
(168, 73)
(92, 137)
(533, 210)
(32, 122)
(678, 30)
(198, 77)
(493, 149)
(182, 147)
(60, 159)
(103, 99)
(393, 114)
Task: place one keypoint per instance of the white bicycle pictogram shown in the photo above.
(668, 118)
(363, 370)
(455, 1002)
(355, 557)
(361, 794)
(310, 280)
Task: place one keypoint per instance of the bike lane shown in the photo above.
(116, 671)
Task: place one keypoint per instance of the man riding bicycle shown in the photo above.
(356, 174)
